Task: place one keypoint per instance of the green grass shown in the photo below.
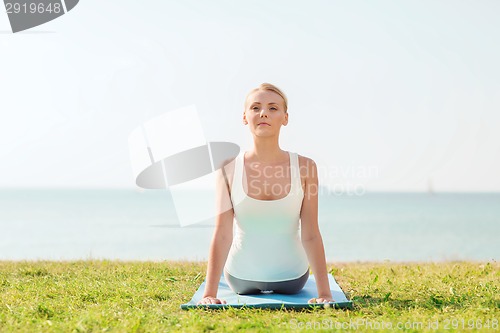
(114, 296)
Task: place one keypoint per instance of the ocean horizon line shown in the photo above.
(324, 188)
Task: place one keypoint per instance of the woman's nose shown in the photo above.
(263, 113)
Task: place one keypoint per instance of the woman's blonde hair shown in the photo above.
(270, 87)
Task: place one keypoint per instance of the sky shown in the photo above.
(383, 95)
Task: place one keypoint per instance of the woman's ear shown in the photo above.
(245, 122)
(285, 122)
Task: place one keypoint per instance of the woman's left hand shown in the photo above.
(320, 300)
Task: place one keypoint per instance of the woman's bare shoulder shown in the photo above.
(307, 167)
(228, 168)
(228, 164)
(306, 162)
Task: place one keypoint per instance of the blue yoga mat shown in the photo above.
(271, 300)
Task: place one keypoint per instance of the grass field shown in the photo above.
(114, 296)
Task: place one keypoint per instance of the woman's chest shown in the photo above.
(267, 182)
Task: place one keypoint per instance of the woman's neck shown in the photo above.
(267, 152)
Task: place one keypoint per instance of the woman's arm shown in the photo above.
(221, 241)
(310, 234)
(219, 249)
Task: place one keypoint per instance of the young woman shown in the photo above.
(272, 195)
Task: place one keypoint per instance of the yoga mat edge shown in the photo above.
(271, 300)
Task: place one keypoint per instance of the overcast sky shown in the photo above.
(383, 95)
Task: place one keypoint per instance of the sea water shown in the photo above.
(63, 224)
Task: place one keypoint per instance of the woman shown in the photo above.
(270, 193)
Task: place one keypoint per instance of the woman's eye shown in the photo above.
(255, 108)
(273, 108)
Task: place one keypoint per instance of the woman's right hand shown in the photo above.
(211, 300)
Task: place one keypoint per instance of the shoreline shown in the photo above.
(330, 263)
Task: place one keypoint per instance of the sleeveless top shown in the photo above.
(266, 234)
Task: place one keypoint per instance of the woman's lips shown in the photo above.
(263, 124)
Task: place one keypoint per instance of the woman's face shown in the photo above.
(265, 113)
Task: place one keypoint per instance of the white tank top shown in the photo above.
(266, 240)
